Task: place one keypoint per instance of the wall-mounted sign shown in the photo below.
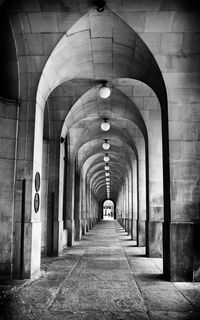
(36, 202)
(37, 181)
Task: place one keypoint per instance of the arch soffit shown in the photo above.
(73, 56)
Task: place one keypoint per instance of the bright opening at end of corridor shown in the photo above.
(108, 210)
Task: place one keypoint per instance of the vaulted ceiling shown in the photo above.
(70, 49)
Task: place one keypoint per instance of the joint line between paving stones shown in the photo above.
(54, 295)
(139, 291)
(195, 308)
(156, 266)
(13, 291)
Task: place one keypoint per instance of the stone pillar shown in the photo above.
(124, 207)
(156, 214)
(70, 197)
(87, 206)
(130, 201)
(135, 200)
(127, 205)
(83, 205)
(77, 207)
(84, 226)
(9, 126)
(141, 228)
(181, 232)
(56, 237)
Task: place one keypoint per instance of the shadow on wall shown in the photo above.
(8, 60)
(196, 232)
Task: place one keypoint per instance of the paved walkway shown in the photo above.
(103, 277)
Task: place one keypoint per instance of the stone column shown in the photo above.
(135, 199)
(130, 211)
(126, 205)
(27, 230)
(56, 235)
(156, 212)
(9, 127)
(141, 229)
(70, 197)
(77, 207)
(87, 206)
(182, 228)
(83, 205)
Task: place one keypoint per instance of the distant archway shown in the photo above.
(109, 210)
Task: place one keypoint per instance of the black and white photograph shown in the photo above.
(100, 160)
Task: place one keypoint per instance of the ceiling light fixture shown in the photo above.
(105, 126)
(106, 145)
(104, 91)
(107, 174)
(106, 158)
(107, 167)
(100, 5)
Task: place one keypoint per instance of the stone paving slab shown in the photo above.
(191, 291)
(105, 264)
(98, 295)
(142, 265)
(101, 274)
(163, 296)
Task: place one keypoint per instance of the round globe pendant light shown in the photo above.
(107, 167)
(106, 158)
(107, 179)
(105, 126)
(104, 91)
(107, 174)
(106, 145)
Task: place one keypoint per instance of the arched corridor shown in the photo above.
(99, 101)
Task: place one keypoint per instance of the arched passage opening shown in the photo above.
(78, 123)
(109, 210)
(80, 53)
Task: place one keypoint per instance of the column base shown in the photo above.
(83, 223)
(87, 225)
(120, 221)
(134, 230)
(90, 223)
(154, 239)
(127, 225)
(130, 228)
(141, 233)
(181, 251)
(78, 230)
(70, 232)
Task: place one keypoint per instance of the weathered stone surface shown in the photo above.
(104, 276)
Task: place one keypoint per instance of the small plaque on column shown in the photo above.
(37, 181)
(36, 202)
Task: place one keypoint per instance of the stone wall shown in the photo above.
(8, 129)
